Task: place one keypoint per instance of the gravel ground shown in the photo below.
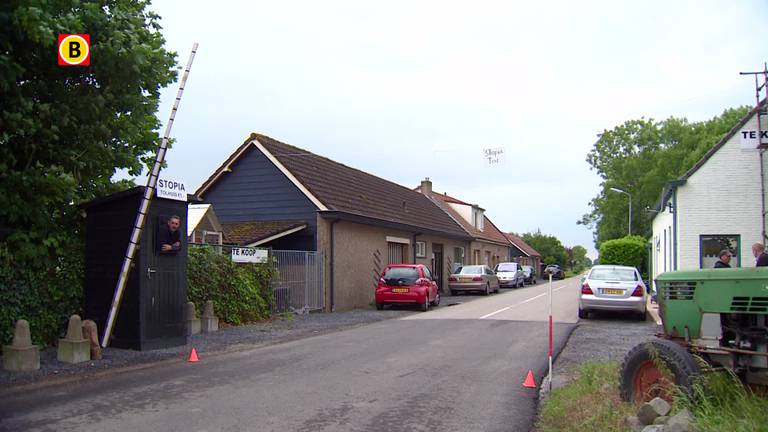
(226, 339)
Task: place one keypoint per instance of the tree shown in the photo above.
(65, 131)
(550, 248)
(578, 256)
(640, 157)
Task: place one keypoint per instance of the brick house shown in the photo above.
(301, 201)
(717, 204)
(523, 253)
(489, 246)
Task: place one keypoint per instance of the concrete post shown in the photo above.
(193, 322)
(21, 355)
(209, 322)
(91, 333)
(74, 348)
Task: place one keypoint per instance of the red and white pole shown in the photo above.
(549, 378)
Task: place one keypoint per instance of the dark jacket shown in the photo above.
(165, 236)
(720, 264)
(762, 260)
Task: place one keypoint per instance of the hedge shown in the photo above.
(241, 293)
(629, 251)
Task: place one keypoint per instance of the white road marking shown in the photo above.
(518, 304)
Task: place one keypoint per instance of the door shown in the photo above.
(437, 264)
(165, 285)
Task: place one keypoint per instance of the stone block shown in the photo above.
(193, 322)
(91, 333)
(634, 424)
(209, 322)
(74, 348)
(657, 407)
(680, 422)
(654, 428)
(661, 420)
(21, 355)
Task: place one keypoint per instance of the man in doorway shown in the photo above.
(725, 259)
(169, 236)
(761, 258)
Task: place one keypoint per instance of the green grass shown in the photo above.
(590, 403)
(723, 403)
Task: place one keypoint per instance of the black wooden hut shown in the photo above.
(151, 315)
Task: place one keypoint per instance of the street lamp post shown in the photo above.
(630, 206)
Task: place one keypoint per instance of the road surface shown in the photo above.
(455, 368)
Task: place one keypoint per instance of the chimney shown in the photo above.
(426, 187)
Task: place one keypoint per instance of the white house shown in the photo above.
(717, 204)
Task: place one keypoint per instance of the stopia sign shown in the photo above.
(74, 50)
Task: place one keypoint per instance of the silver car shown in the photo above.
(473, 278)
(510, 274)
(613, 288)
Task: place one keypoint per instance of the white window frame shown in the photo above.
(420, 248)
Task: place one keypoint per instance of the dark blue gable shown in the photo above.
(255, 190)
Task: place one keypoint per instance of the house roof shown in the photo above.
(196, 213)
(666, 192)
(522, 245)
(255, 233)
(489, 233)
(335, 189)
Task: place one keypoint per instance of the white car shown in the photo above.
(613, 288)
(510, 274)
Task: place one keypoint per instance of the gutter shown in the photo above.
(331, 262)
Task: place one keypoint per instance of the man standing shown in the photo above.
(169, 237)
(725, 259)
(758, 250)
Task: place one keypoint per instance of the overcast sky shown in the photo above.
(407, 90)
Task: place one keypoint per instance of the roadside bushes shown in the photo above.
(241, 293)
(41, 292)
(628, 251)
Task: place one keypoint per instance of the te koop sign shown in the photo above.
(249, 255)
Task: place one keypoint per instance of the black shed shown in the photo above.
(151, 315)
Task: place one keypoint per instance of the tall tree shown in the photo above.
(639, 157)
(64, 131)
(550, 248)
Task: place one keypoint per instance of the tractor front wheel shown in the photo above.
(654, 368)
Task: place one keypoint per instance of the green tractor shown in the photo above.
(719, 315)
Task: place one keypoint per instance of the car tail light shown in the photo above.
(477, 279)
(585, 289)
(451, 279)
(638, 292)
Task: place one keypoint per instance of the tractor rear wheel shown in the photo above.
(654, 368)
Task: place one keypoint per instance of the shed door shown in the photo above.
(164, 305)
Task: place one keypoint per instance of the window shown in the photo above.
(507, 267)
(427, 273)
(608, 274)
(472, 270)
(421, 249)
(710, 246)
(393, 275)
(475, 256)
(396, 253)
(487, 258)
(458, 258)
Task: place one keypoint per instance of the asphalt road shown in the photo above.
(456, 368)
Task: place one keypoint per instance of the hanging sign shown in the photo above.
(493, 156)
(171, 189)
(249, 255)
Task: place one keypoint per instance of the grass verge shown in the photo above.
(723, 403)
(590, 402)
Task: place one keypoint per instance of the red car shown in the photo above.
(407, 283)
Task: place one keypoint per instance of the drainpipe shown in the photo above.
(674, 229)
(331, 262)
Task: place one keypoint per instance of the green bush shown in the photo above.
(41, 292)
(628, 251)
(241, 293)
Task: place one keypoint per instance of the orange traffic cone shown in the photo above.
(193, 356)
(529, 381)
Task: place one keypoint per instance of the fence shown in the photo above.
(298, 286)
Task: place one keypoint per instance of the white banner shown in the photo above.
(171, 189)
(249, 255)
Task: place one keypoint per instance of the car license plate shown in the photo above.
(399, 290)
(465, 279)
(613, 291)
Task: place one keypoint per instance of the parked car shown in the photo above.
(529, 274)
(407, 283)
(510, 274)
(555, 271)
(613, 288)
(473, 278)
